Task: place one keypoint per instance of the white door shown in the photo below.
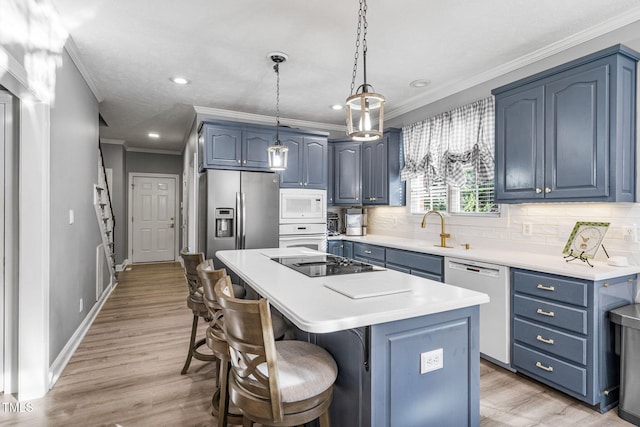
(154, 219)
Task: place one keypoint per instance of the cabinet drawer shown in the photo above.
(370, 252)
(416, 260)
(552, 314)
(551, 341)
(562, 374)
(551, 287)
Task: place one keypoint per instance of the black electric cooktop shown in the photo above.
(326, 265)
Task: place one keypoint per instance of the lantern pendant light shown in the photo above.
(365, 108)
(277, 153)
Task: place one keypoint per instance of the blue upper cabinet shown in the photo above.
(308, 161)
(346, 167)
(381, 164)
(568, 134)
(330, 175)
(222, 146)
(368, 173)
(233, 145)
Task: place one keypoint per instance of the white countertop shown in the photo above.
(552, 263)
(313, 307)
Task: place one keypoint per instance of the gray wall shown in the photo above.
(114, 158)
(74, 153)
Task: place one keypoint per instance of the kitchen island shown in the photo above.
(381, 343)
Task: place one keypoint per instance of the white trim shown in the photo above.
(262, 119)
(598, 30)
(176, 235)
(72, 50)
(112, 141)
(151, 150)
(58, 365)
(10, 65)
(121, 267)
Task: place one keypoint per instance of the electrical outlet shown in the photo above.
(527, 228)
(431, 361)
(630, 233)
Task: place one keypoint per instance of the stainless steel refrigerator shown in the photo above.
(238, 210)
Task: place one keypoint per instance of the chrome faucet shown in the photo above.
(443, 235)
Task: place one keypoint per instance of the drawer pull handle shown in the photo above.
(367, 252)
(546, 288)
(545, 313)
(544, 340)
(546, 368)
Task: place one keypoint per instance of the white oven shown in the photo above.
(303, 219)
(303, 206)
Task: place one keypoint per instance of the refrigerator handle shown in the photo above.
(244, 219)
(239, 224)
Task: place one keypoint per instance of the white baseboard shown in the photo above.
(58, 365)
(121, 267)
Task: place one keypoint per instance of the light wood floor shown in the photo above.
(126, 372)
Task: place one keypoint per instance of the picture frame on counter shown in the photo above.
(585, 239)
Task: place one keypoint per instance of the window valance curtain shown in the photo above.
(440, 147)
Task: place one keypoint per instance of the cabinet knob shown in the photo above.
(300, 184)
(305, 184)
(538, 190)
(356, 199)
(547, 190)
(239, 161)
(245, 162)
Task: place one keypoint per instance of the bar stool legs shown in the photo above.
(193, 347)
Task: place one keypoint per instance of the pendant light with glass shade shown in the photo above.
(277, 153)
(365, 108)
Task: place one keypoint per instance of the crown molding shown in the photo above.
(265, 120)
(112, 141)
(72, 50)
(152, 151)
(598, 30)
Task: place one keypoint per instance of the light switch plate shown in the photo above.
(431, 361)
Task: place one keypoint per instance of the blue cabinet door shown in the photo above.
(254, 149)
(222, 146)
(576, 121)
(520, 144)
(330, 179)
(335, 247)
(347, 248)
(347, 185)
(292, 176)
(314, 163)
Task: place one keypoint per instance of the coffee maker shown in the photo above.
(356, 222)
(333, 224)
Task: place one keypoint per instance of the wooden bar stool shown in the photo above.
(196, 303)
(217, 342)
(284, 383)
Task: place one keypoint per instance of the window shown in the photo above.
(449, 161)
(470, 198)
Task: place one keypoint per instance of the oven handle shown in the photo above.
(293, 237)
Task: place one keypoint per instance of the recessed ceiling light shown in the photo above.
(179, 80)
(419, 83)
(154, 135)
(337, 107)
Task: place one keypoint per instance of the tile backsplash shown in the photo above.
(549, 224)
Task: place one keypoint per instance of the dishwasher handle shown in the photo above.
(474, 269)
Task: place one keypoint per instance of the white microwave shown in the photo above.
(303, 206)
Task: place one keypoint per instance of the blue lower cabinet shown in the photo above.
(347, 248)
(335, 247)
(562, 336)
(369, 253)
(416, 263)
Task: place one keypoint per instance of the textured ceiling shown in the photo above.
(131, 49)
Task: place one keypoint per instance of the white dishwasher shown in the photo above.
(495, 316)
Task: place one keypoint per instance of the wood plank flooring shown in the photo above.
(126, 372)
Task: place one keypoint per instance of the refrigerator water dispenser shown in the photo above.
(224, 222)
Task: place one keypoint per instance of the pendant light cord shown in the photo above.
(362, 22)
(276, 67)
